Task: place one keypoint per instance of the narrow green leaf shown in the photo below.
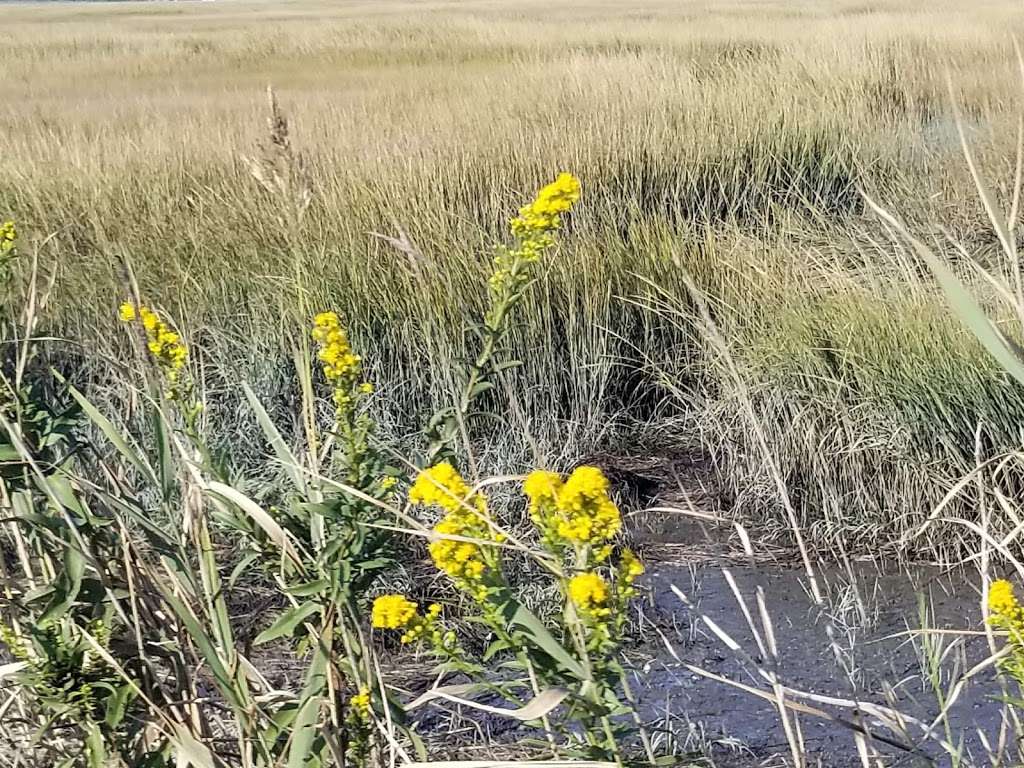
(277, 442)
(307, 719)
(309, 588)
(134, 457)
(287, 622)
(966, 307)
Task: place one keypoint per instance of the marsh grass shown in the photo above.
(723, 142)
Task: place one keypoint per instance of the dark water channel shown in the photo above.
(856, 645)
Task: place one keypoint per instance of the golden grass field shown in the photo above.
(727, 141)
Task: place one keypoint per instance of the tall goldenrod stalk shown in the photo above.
(534, 233)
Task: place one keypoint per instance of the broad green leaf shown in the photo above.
(287, 622)
(532, 627)
(117, 704)
(68, 583)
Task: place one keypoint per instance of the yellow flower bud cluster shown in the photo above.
(359, 705)
(398, 612)
(8, 237)
(342, 368)
(589, 593)
(164, 345)
(466, 562)
(578, 511)
(392, 612)
(533, 229)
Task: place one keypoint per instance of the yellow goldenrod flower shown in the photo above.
(341, 366)
(164, 345)
(359, 704)
(1003, 603)
(440, 485)
(578, 511)
(533, 229)
(542, 488)
(464, 561)
(589, 593)
(630, 566)
(544, 213)
(392, 612)
(589, 516)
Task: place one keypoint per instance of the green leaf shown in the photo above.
(535, 631)
(242, 567)
(277, 442)
(67, 585)
(966, 307)
(117, 705)
(134, 457)
(287, 622)
(95, 753)
(495, 647)
(309, 588)
(302, 753)
(479, 388)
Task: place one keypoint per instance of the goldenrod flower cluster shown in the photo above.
(398, 612)
(589, 593)
(466, 562)
(1008, 614)
(359, 704)
(544, 214)
(163, 344)
(578, 511)
(533, 228)
(342, 368)
(392, 612)
(630, 569)
(8, 237)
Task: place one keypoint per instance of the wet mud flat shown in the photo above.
(860, 644)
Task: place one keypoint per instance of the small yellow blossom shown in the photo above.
(442, 486)
(589, 514)
(545, 212)
(164, 345)
(341, 366)
(541, 488)
(466, 562)
(359, 704)
(1003, 603)
(589, 593)
(578, 511)
(392, 612)
(631, 567)
(533, 229)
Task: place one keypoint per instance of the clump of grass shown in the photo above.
(732, 157)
